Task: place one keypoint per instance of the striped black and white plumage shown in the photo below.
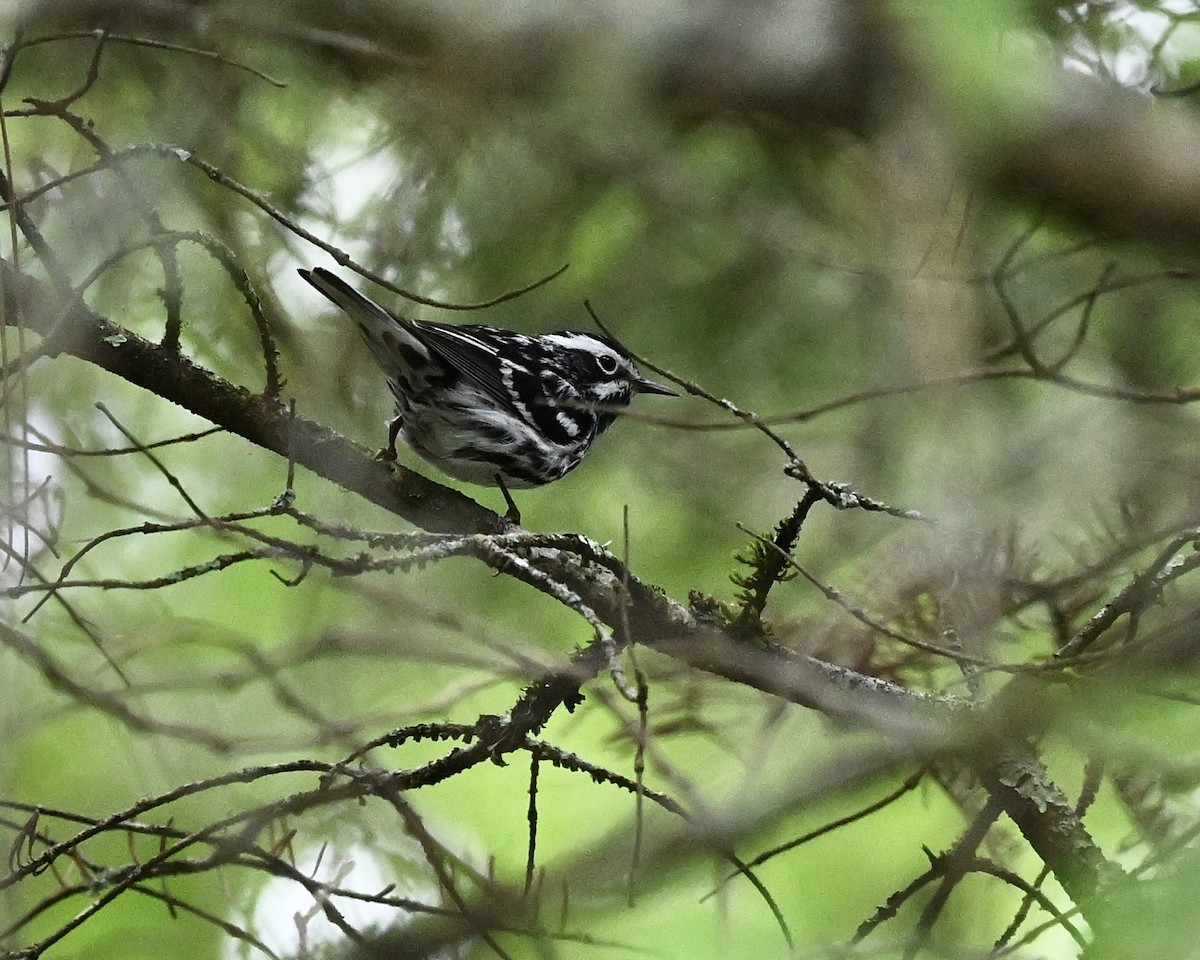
(488, 405)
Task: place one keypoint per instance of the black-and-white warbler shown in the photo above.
(488, 405)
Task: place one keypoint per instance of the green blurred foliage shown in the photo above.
(772, 271)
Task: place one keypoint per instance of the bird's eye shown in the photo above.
(607, 364)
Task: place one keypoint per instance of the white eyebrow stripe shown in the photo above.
(578, 341)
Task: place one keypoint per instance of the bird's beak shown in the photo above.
(642, 385)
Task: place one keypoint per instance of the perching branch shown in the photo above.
(654, 620)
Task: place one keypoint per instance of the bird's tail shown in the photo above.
(390, 338)
(360, 308)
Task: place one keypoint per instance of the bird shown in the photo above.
(488, 405)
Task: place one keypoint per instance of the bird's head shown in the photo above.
(601, 373)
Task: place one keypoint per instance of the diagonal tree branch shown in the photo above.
(638, 612)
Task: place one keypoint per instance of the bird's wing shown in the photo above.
(471, 355)
(457, 349)
(492, 360)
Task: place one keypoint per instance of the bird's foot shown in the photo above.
(512, 515)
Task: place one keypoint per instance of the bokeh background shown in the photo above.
(831, 213)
